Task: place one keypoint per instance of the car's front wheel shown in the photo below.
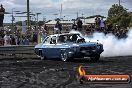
(64, 56)
(41, 56)
(95, 58)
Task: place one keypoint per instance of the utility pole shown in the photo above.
(28, 18)
(12, 20)
(37, 15)
(61, 11)
(44, 19)
(119, 2)
(37, 19)
(77, 14)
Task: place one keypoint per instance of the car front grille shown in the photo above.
(88, 48)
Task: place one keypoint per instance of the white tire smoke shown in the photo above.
(112, 45)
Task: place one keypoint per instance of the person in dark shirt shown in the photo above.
(79, 25)
(58, 25)
(109, 28)
(2, 11)
(74, 26)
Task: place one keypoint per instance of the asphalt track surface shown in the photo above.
(35, 73)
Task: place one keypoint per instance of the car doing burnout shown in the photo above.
(67, 47)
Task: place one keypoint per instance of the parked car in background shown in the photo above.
(68, 46)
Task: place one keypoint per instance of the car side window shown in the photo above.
(47, 40)
(74, 38)
(53, 40)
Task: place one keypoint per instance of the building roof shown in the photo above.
(88, 21)
(63, 22)
(85, 21)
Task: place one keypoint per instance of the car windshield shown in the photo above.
(69, 38)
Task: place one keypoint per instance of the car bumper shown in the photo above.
(88, 53)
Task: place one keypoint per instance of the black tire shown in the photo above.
(95, 58)
(64, 56)
(41, 56)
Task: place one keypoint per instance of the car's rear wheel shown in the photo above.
(41, 56)
(64, 56)
(95, 58)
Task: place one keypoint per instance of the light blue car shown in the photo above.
(67, 47)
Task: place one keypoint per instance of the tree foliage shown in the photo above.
(116, 10)
(118, 15)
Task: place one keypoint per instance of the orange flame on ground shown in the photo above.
(81, 71)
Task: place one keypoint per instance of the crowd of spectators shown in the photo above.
(7, 37)
(13, 39)
(32, 36)
(101, 26)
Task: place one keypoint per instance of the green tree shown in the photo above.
(116, 10)
(118, 15)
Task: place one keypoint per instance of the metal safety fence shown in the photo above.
(17, 51)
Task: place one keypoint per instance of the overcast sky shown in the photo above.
(70, 7)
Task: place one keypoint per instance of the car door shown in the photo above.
(50, 46)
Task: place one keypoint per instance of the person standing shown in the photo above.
(79, 25)
(25, 41)
(102, 25)
(2, 11)
(74, 26)
(97, 23)
(58, 27)
(44, 34)
(7, 39)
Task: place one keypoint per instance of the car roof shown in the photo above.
(64, 34)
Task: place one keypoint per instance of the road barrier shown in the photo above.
(14, 51)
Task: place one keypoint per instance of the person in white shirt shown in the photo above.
(7, 40)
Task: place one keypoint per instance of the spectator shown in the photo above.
(2, 11)
(35, 37)
(44, 34)
(74, 26)
(109, 28)
(58, 27)
(25, 41)
(45, 27)
(7, 40)
(79, 25)
(16, 40)
(102, 25)
(13, 42)
(97, 22)
(1, 41)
